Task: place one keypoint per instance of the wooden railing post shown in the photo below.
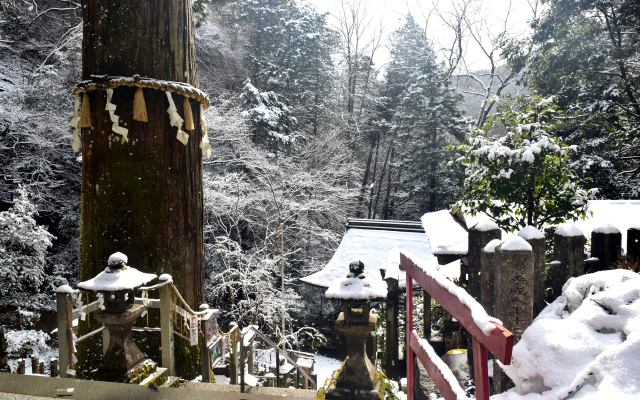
(277, 367)
(233, 363)
(166, 328)
(242, 361)
(606, 246)
(205, 355)
(408, 333)
(64, 311)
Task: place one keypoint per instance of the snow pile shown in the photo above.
(584, 345)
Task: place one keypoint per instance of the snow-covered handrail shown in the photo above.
(487, 333)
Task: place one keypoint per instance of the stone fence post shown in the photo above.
(606, 246)
(514, 293)
(487, 276)
(568, 246)
(536, 239)
(479, 235)
(633, 244)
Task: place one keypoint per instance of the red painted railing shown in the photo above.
(499, 342)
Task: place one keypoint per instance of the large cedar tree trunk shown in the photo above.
(144, 197)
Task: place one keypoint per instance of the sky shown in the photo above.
(390, 14)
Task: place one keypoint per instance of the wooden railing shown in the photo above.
(172, 305)
(247, 336)
(499, 341)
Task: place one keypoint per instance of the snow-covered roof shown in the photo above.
(372, 247)
(111, 280)
(445, 235)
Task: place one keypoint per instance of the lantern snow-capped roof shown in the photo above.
(358, 285)
(118, 276)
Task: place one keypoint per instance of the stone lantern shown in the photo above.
(357, 378)
(117, 285)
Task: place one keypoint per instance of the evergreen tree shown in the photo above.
(524, 176)
(289, 53)
(420, 117)
(587, 55)
(23, 249)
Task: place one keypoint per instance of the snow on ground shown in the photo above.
(33, 343)
(324, 368)
(584, 345)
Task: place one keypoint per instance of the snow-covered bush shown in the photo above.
(522, 177)
(23, 248)
(584, 345)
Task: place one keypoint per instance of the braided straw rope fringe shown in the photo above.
(102, 82)
(108, 83)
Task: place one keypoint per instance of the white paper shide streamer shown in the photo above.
(205, 145)
(75, 123)
(115, 120)
(176, 120)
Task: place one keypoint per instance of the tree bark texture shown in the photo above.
(143, 197)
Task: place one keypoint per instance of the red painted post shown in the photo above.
(481, 369)
(408, 333)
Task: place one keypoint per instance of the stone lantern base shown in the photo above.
(122, 354)
(357, 379)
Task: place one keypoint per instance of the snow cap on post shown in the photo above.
(485, 225)
(569, 229)
(117, 276)
(515, 243)
(491, 246)
(530, 232)
(66, 289)
(358, 285)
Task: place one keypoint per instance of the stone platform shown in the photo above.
(29, 387)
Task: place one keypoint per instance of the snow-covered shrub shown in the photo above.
(23, 248)
(522, 177)
(584, 345)
(27, 341)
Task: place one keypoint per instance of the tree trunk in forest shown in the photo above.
(144, 197)
(387, 209)
(382, 173)
(365, 180)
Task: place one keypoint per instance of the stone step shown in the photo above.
(157, 377)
